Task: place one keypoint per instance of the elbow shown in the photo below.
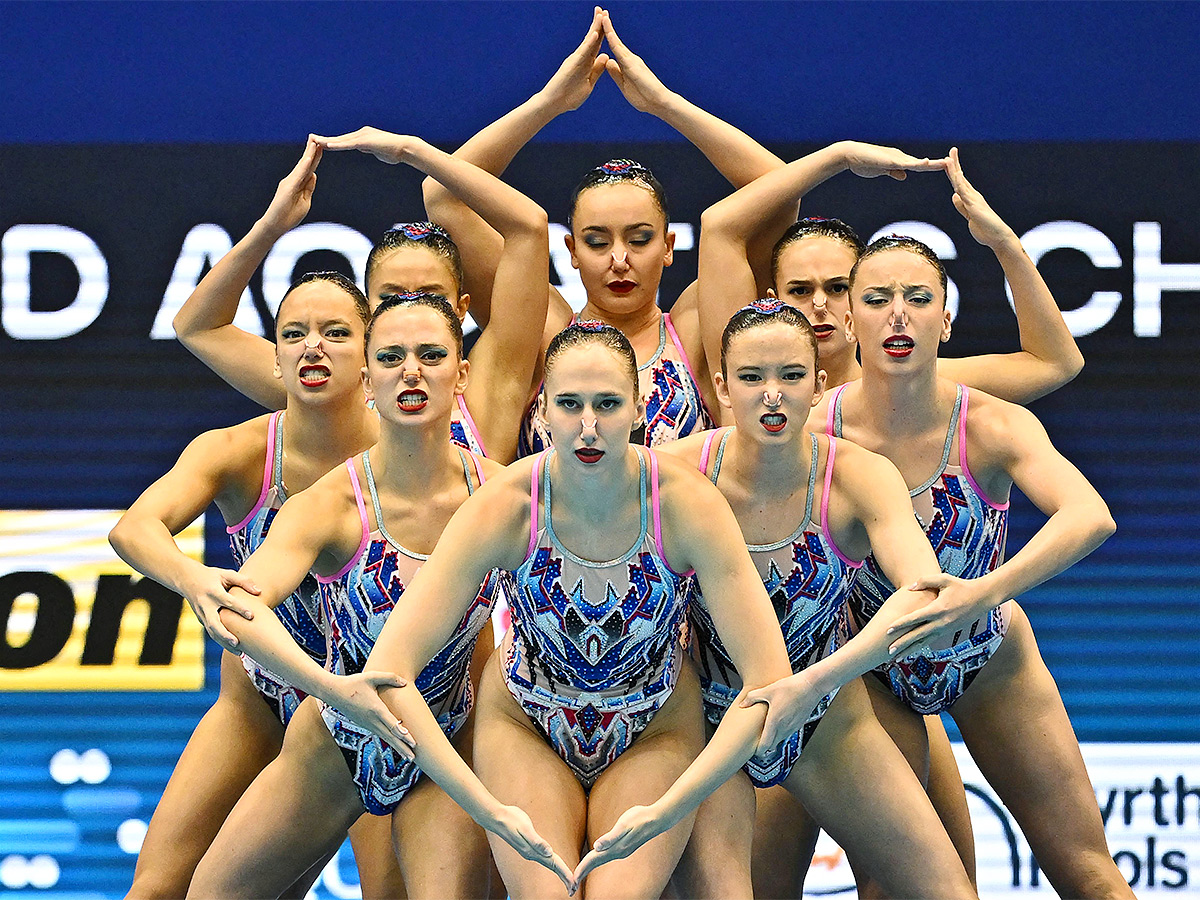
(433, 194)
(117, 537)
(1071, 366)
(716, 220)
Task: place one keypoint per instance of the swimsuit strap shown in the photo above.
(274, 444)
(854, 564)
(379, 524)
(704, 454)
(641, 538)
(362, 517)
(962, 451)
(662, 343)
(533, 502)
(950, 432)
(467, 471)
(716, 470)
(833, 422)
(654, 502)
(470, 424)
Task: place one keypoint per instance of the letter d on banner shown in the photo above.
(16, 313)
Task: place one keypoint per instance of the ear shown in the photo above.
(669, 257)
(462, 306)
(368, 389)
(849, 327)
(722, 389)
(819, 389)
(640, 418)
(569, 240)
(540, 407)
(771, 293)
(946, 326)
(277, 371)
(464, 366)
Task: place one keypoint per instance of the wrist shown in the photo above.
(1008, 246)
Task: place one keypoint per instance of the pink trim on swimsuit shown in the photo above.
(658, 545)
(462, 405)
(706, 450)
(687, 364)
(825, 507)
(962, 452)
(268, 472)
(366, 528)
(533, 503)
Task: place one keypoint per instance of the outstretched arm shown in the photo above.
(706, 537)
(504, 357)
(730, 228)
(145, 535)
(205, 322)
(1049, 356)
(492, 149)
(477, 538)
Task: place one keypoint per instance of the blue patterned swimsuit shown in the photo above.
(300, 613)
(594, 649)
(808, 580)
(358, 601)
(674, 404)
(967, 531)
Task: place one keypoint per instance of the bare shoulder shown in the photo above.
(688, 449)
(998, 429)
(863, 476)
(685, 493)
(238, 451)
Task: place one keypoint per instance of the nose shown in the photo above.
(620, 261)
(313, 347)
(773, 401)
(820, 301)
(411, 371)
(899, 315)
(588, 426)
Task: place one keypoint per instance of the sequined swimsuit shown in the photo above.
(967, 531)
(808, 580)
(594, 649)
(300, 613)
(357, 602)
(674, 404)
(463, 432)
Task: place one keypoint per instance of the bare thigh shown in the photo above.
(859, 787)
(442, 852)
(639, 776)
(295, 813)
(947, 794)
(374, 857)
(785, 839)
(516, 764)
(234, 741)
(1014, 723)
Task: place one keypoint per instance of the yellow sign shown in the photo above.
(77, 618)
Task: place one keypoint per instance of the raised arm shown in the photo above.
(504, 357)
(1049, 356)
(735, 154)
(492, 149)
(205, 322)
(145, 535)
(730, 228)
(700, 531)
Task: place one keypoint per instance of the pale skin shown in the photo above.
(1011, 716)
(628, 254)
(590, 407)
(504, 362)
(813, 272)
(301, 805)
(849, 754)
(320, 334)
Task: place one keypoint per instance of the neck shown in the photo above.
(899, 404)
(329, 432)
(416, 459)
(841, 368)
(595, 490)
(629, 323)
(762, 468)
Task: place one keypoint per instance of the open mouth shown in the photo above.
(774, 422)
(621, 287)
(314, 376)
(413, 401)
(824, 332)
(589, 455)
(899, 346)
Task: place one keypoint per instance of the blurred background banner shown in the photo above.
(139, 141)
